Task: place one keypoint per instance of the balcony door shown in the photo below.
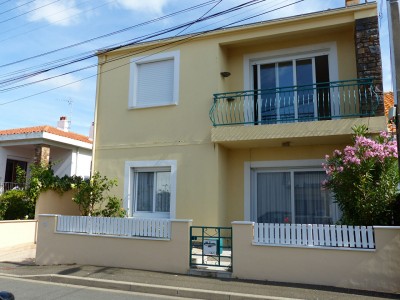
(291, 90)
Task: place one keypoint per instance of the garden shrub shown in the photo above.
(364, 179)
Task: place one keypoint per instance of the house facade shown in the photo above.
(70, 153)
(234, 124)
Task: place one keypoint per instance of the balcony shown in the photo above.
(325, 110)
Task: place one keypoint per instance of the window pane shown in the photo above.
(313, 205)
(286, 103)
(163, 192)
(268, 95)
(305, 94)
(144, 191)
(273, 197)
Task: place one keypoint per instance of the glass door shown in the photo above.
(292, 90)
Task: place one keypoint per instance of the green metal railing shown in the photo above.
(211, 247)
(321, 101)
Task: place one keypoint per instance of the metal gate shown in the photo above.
(211, 247)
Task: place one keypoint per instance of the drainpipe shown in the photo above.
(394, 38)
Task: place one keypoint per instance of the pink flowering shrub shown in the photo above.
(364, 178)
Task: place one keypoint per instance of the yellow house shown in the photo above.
(234, 124)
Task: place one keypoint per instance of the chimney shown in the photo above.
(352, 2)
(91, 132)
(63, 124)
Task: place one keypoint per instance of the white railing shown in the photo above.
(125, 227)
(314, 235)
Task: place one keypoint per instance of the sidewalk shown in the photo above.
(20, 263)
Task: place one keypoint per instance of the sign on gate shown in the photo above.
(211, 247)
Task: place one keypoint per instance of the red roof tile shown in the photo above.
(48, 129)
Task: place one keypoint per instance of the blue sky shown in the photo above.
(30, 28)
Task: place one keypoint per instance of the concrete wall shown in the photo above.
(148, 254)
(51, 202)
(374, 270)
(13, 233)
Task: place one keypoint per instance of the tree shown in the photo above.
(91, 194)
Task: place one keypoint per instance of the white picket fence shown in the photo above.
(125, 227)
(315, 235)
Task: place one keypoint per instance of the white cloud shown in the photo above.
(151, 6)
(58, 13)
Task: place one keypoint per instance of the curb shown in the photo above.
(147, 288)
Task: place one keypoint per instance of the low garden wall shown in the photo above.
(17, 232)
(148, 253)
(366, 269)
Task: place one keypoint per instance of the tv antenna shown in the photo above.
(69, 117)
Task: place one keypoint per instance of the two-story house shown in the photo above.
(234, 124)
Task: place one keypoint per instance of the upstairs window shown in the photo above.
(154, 80)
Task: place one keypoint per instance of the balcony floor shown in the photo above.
(297, 134)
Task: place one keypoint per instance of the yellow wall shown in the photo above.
(205, 191)
(155, 254)
(372, 270)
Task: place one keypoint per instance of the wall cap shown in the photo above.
(49, 215)
(387, 227)
(181, 220)
(18, 221)
(242, 223)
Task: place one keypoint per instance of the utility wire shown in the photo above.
(143, 38)
(48, 24)
(27, 12)
(16, 7)
(171, 45)
(112, 33)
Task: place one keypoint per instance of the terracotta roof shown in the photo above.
(388, 101)
(48, 129)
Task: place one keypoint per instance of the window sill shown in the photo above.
(152, 106)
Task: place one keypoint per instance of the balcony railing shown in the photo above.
(6, 186)
(321, 101)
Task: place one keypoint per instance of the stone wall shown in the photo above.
(368, 56)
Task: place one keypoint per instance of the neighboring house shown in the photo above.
(234, 124)
(70, 153)
(389, 103)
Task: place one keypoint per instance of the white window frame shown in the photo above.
(290, 54)
(250, 168)
(151, 165)
(133, 81)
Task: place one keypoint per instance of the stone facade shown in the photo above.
(42, 154)
(368, 57)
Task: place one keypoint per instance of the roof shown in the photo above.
(47, 129)
(349, 9)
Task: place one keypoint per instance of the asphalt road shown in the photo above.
(32, 290)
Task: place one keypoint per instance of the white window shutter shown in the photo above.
(155, 83)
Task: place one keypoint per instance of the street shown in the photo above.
(31, 290)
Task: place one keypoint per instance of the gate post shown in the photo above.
(243, 231)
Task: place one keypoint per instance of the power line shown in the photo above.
(16, 7)
(57, 21)
(134, 41)
(112, 33)
(143, 38)
(171, 44)
(37, 8)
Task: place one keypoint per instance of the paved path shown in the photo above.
(19, 263)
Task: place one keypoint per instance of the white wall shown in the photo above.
(81, 162)
(62, 160)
